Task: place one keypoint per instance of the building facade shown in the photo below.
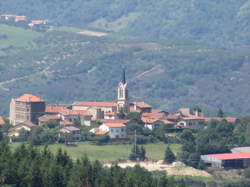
(114, 130)
(26, 108)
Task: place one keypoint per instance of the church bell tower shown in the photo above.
(122, 94)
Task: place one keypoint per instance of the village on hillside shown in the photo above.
(29, 110)
(105, 121)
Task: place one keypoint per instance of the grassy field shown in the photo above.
(17, 37)
(109, 153)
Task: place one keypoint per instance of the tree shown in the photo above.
(142, 153)
(137, 153)
(169, 155)
(52, 124)
(247, 172)
(220, 113)
(187, 136)
(77, 121)
(134, 116)
(134, 153)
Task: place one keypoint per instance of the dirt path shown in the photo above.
(92, 33)
(170, 169)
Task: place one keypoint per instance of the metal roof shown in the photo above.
(230, 156)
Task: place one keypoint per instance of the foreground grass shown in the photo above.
(109, 153)
(16, 36)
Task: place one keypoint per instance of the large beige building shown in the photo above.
(26, 108)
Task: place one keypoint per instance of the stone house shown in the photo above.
(70, 134)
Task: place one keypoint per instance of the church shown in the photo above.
(111, 110)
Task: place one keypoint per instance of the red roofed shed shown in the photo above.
(228, 160)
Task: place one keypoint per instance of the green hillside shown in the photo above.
(14, 38)
(65, 67)
(177, 53)
(224, 23)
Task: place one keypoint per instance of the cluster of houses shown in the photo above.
(23, 20)
(29, 111)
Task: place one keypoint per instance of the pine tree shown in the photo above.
(142, 153)
(220, 113)
(169, 155)
(134, 153)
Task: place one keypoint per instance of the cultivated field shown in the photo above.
(109, 153)
(16, 37)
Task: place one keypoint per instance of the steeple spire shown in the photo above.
(124, 76)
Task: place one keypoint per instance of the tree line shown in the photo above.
(29, 166)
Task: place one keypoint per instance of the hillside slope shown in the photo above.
(64, 67)
(224, 23)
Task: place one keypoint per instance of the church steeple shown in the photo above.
(124, 76)
(122, 94)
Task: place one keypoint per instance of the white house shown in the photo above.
(114, 130)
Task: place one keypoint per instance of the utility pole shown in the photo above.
(135, 142)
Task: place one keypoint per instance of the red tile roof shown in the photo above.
(193, 117)
(27, 123)
(74, 112)
(101, 132)
(114, 121)
(111, 114)
(132, 110)
(21, 18)
(64, 110)
(115, 125)
(96, 104)
(8, 15)
(149, 120)
(71, 128)
(173, 116)
(167, 122)
(231, 156)
(38, 22)
(53, 117)
(155, 120)
(66, 122)
(142, 105)
(2, 122)
(54, 108)
(29, 98)
(154, 115)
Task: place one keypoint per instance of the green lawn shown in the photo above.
(17, 36)
(107, 153)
